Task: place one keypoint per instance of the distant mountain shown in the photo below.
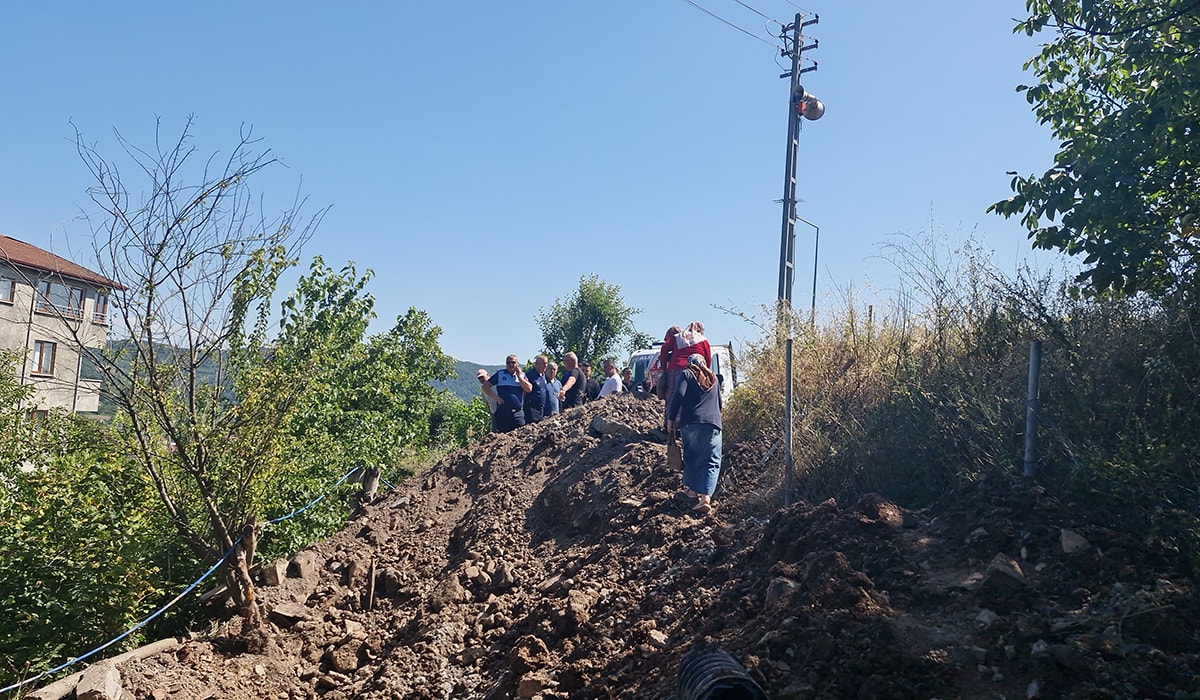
(463, 384)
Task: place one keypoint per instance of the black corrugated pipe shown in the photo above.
(707, 673)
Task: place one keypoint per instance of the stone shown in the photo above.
(303, 565)
(1073, 542)
(779, 589)
(100, 681)
(505, 576)
(528, 654)
(532, 684)
(1003, 576)
(603, 426)
(274, 573)
(579, 608)
(288, 613)
(344, 658)
(448, 591)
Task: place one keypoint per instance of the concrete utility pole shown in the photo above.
(800, 104)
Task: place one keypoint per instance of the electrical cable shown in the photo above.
(747, 32)
(318, 499)
(757, 12)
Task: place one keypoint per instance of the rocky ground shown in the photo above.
(553, 562)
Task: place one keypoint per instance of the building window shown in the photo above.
(67, 301)
(74, 302)
(100, 312)
(43, 357)
(8, 290)
(38, 415)
(44, 302)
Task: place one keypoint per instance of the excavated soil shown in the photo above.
(553, 562)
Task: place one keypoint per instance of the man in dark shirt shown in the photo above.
(572, 392)
(535, 400)
(591, 386)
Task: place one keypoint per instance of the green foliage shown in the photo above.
(931, 392)
(1119, 86)
(14, 428)
(326, 399)
(231, 419)
(590, 323)
(76, 540)
(195, 265)
(457, 423)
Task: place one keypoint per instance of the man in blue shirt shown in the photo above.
(535, 400)
(552, 387)
(508, 387)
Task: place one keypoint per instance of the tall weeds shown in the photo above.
(929, 392)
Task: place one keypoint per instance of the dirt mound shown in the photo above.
(553, 562)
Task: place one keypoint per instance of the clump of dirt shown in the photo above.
(553, 562)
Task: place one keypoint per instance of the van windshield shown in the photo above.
(639, 367)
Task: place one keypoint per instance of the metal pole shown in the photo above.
(816, 252)
(1031, 407)
(787, 249)
(787, 243)
(787, 429)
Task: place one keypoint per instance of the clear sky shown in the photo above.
(481, 157)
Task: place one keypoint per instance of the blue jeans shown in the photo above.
(701, 457)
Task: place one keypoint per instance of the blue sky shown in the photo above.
(482, 157)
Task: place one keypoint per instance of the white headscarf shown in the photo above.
(692, 335)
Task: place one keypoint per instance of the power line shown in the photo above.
(772, 19)
(798, 7)
(748, 33)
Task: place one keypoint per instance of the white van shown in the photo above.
(644, 364)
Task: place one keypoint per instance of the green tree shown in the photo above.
(77, 543)
(334, 399)
(196, 262)
(1119, 86)
(590, 323)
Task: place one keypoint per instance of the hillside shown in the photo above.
(463, 384)
(553, 562)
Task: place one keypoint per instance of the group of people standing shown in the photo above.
(519, 397)
(686, 383)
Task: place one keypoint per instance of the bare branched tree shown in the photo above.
(196, 260)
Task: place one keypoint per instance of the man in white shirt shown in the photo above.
(612, 385)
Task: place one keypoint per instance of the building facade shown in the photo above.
(51, 308)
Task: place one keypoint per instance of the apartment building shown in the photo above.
(50, 307)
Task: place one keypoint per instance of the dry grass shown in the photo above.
(929, 392)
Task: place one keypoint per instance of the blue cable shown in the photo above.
(320, 498)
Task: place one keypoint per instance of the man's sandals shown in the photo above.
(701, 506)
(686, 494)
